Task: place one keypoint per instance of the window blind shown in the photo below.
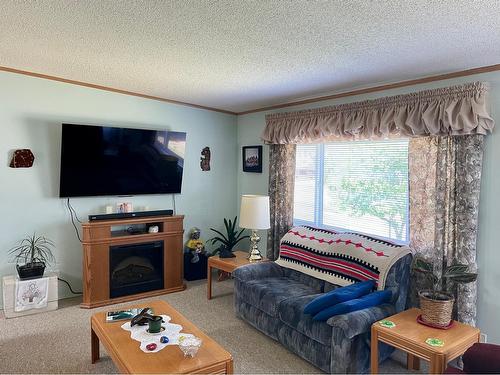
(359, 186)
(305, 183)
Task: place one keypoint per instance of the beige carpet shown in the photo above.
(59, 341)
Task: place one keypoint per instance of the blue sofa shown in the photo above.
(272, 299)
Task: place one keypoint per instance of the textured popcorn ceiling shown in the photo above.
(239, 55)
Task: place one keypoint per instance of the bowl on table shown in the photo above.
(189, 345)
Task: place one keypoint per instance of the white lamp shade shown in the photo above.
(254, 212)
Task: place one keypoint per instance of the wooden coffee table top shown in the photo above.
(129, 358)
(230, 264)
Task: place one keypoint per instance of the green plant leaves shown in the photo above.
(456, 269)
(463, 278)
(223, 239)
(457, 273)
(422, 265)
(33, 249)
(232, 236)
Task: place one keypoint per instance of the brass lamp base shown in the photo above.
(254, 255)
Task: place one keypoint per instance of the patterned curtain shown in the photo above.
(445, 176)
(281, 185)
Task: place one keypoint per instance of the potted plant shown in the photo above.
(436, 302)
(229, 240)
(32, 254)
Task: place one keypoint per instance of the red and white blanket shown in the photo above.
(337, 257)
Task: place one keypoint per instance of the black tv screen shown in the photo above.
(99, 160)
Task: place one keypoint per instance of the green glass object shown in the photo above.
(387, 323)
(154, 324)
(434, 342)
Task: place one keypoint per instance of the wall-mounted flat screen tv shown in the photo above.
(100, 160)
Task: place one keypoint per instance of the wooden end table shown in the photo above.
(227, 265)
(410, 336)
(130, 359)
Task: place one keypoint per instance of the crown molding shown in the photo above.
(111, 89)
(388, 86)
(440, 77)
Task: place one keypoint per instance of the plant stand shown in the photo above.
(195, 271)
(9, 298)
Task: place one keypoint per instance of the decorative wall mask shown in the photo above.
(205, 159)
(22, 158)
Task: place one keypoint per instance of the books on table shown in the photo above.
(113, 316)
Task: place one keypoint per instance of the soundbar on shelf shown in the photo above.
(126, 215)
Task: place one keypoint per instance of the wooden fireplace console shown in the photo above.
(99, 236)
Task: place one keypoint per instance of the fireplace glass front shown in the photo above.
(135, 268)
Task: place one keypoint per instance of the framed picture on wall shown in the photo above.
(252, 159)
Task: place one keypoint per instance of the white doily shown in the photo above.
(172, 331)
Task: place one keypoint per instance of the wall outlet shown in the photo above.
(483, 337)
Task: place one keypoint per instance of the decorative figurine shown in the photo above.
(143, 318)
(195, 245)
(205, 159)
(164, 339)
(24, 158)
(151, 347)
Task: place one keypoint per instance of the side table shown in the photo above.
(410, 336)
(227, 265)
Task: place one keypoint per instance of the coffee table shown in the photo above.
(227, 265)
(410, 336)
(129, 358)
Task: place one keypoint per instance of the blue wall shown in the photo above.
(31, 113)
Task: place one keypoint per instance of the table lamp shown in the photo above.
(254, 215)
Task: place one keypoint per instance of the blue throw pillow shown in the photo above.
(372, 299)
(338, 295)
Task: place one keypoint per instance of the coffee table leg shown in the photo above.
(94, 346)
(374, 352)
(412, 362)
(209, 282)
(229, 367)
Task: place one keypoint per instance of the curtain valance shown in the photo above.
(456, 110)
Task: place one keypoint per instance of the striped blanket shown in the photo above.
(337, 257)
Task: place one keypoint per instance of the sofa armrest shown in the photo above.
(257, 271)
(358, 322)
(482, 358)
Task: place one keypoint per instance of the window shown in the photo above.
(359, 186)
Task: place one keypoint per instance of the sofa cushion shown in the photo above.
(266, 294)
(291, 312)
(339, 295)
(329, 287)
(303, 278)
(370, 300)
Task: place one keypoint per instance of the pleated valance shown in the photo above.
(456, 110)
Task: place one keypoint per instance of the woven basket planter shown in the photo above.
(438, 309)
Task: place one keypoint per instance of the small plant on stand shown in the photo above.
(436, 302)
(229, 240)
(32, 255)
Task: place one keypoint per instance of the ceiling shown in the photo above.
(240, 55)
